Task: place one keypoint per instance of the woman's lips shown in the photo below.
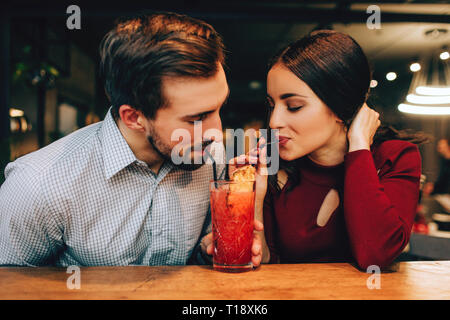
(283, 140)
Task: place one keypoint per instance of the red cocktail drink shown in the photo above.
(232, 208)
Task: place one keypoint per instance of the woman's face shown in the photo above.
(304, 122)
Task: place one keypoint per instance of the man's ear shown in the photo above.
(132, 118)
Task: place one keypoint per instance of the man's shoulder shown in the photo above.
(68, 152)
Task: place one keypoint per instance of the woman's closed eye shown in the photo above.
(294, 104)
(295, 108)
(290, 108)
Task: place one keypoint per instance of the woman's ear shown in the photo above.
(339, 120)
(335, 117)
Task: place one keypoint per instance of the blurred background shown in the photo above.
(49, 84)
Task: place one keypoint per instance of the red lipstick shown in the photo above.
(283, 140)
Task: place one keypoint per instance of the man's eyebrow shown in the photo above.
(199, 114)
(208, 112)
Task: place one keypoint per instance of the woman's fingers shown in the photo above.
(363, 128)
(259, 226)
(243, 160)
(256, 250)
(256, 260)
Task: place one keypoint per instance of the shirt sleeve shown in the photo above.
(270, 228)
(29, 235)
(380, 210)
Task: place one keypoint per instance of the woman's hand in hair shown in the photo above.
(363, 128)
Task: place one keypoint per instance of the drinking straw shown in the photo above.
(214, 171)
(214, 166)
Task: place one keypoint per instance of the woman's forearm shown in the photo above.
(259, 204)
(379, 212)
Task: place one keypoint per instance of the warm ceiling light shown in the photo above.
(444, 55)
(14, 113)
(433, 91)
(414, 67)
(373, 83)
(428, 110)
(391, 76)
(427, 99)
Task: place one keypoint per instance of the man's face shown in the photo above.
(188, 100)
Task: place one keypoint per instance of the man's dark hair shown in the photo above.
(139, 52)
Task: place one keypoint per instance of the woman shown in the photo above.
(347, 189)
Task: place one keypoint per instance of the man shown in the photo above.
(109, 193)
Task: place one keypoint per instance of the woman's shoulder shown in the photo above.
(392, 150)
(393, 147)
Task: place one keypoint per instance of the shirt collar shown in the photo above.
(116, 151)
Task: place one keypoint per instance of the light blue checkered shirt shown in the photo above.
(87, 200)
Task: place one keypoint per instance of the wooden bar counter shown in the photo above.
(412, 280)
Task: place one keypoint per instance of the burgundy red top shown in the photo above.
(376, 194)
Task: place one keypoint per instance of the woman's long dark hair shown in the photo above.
(335, 67)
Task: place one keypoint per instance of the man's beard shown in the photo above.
(165, 152)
